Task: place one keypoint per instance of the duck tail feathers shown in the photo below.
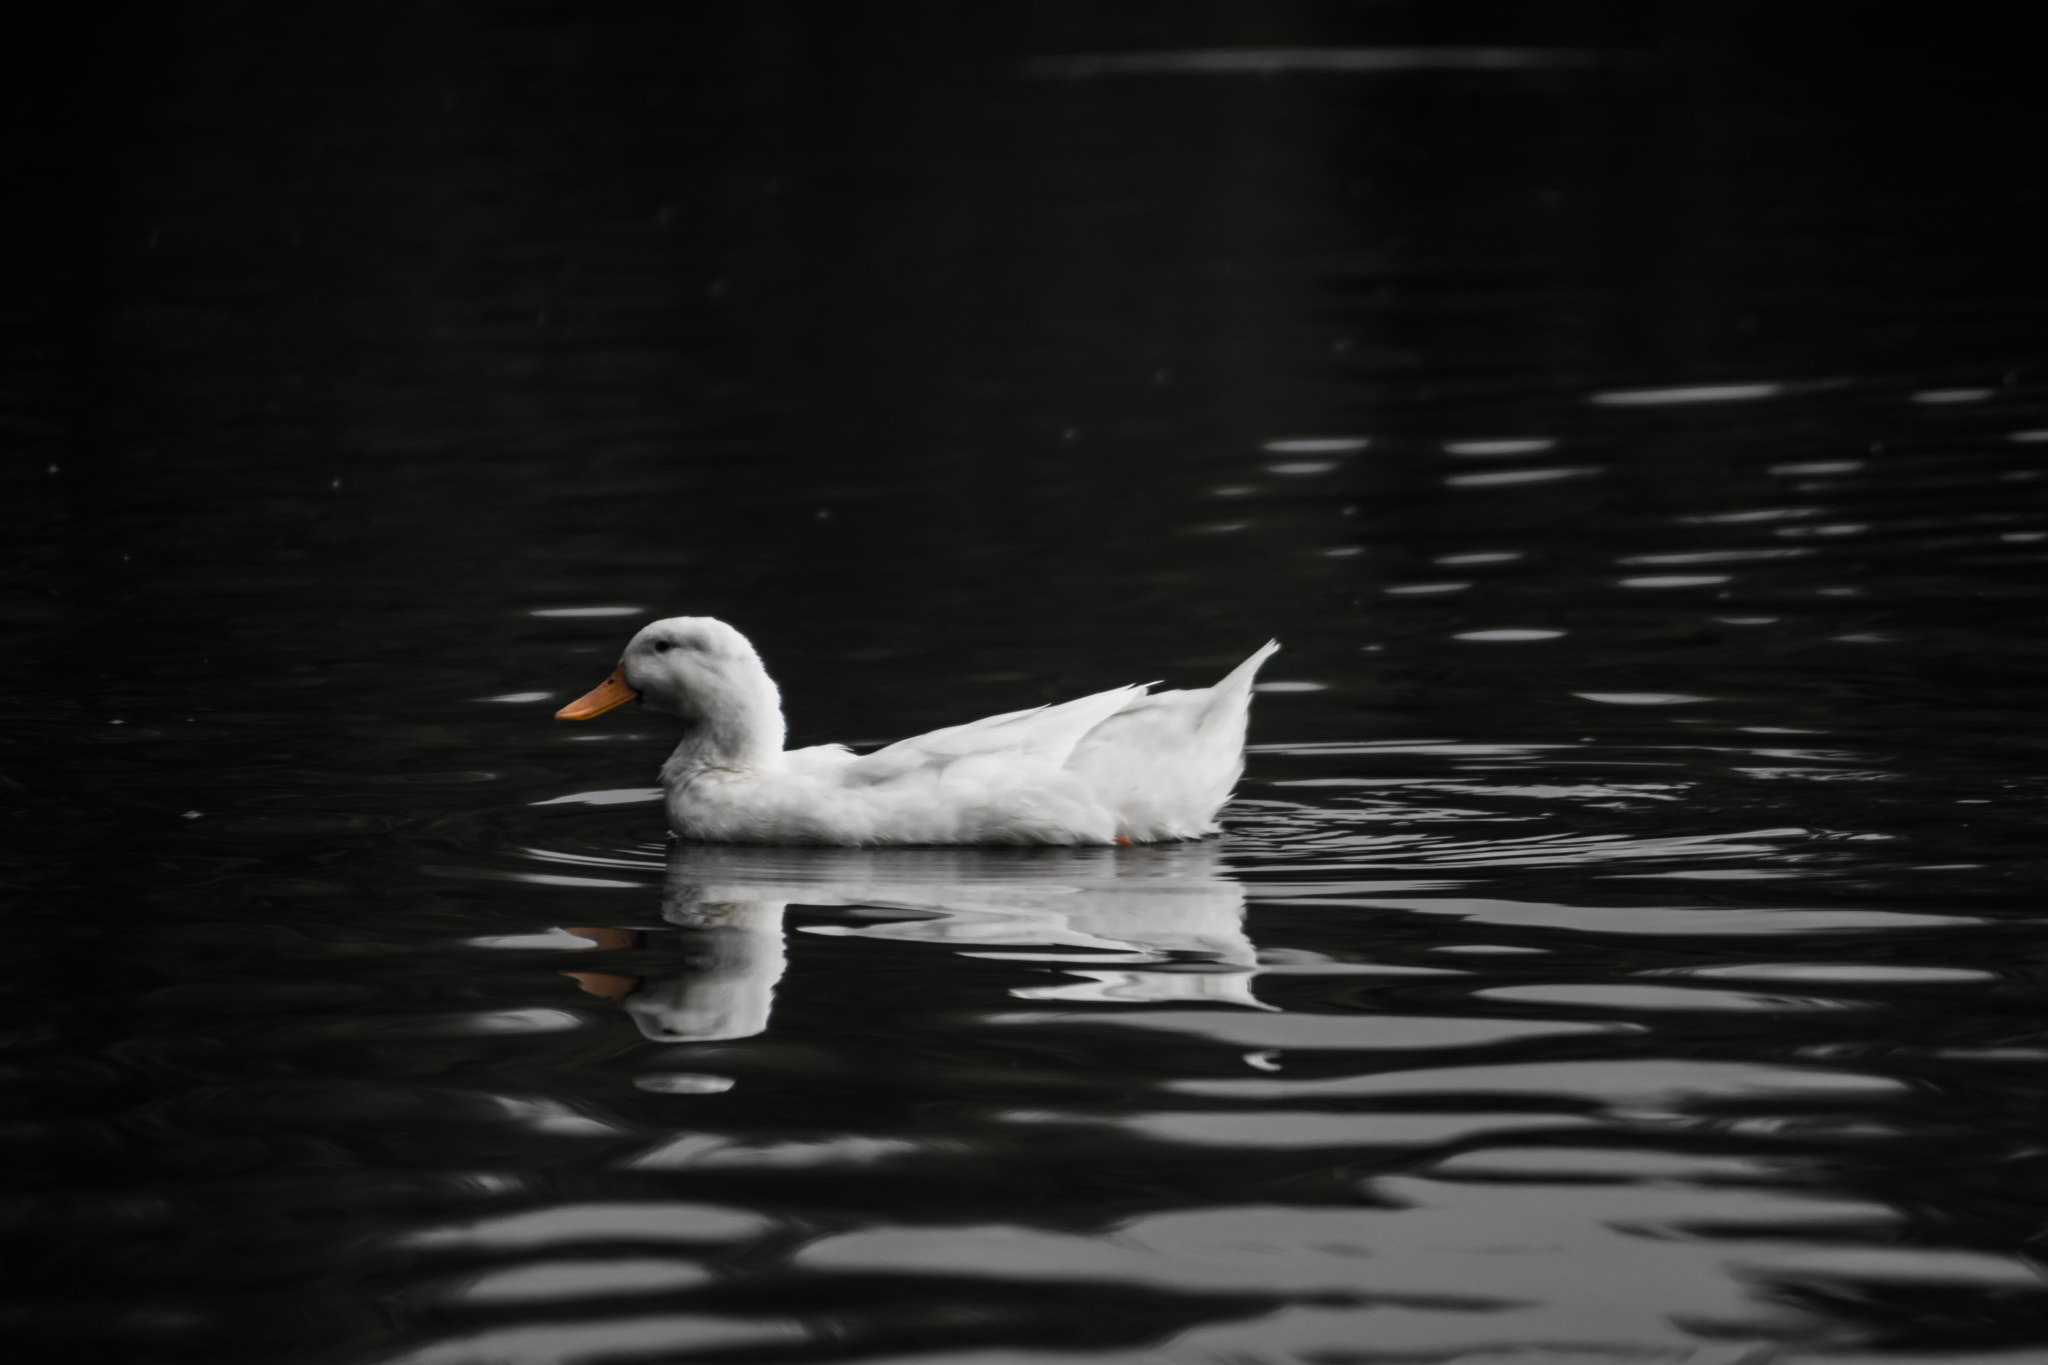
(1233, 694)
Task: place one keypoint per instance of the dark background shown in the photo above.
(340, 341)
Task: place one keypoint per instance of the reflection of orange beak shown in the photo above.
(608, 695)
(610, 985)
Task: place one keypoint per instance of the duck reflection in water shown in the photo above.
(1137, 925)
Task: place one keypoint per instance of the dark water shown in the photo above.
(1627, 943)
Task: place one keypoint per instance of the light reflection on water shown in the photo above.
(1568, 1151)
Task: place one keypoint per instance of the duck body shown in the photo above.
(1124, 766)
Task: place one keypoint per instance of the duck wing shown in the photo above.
(1045, 735)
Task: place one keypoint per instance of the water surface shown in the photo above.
(1626, 944)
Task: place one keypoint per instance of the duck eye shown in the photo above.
(662, 646)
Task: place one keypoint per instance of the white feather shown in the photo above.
(1122, 765)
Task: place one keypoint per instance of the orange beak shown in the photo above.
(608, 695)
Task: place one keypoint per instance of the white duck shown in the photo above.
(1120, 767)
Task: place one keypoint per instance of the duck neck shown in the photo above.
(741, 730)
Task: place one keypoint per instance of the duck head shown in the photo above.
(703, 670)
